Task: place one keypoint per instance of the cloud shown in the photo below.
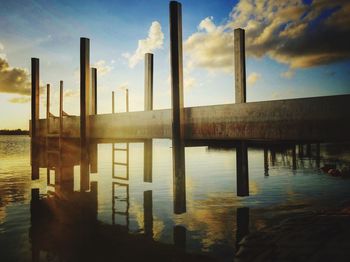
(102, 67)
(19, 100)
(252, 78)
(13, 80)
(154, 40)
(1, 47)
(295, 33)
(211, 47)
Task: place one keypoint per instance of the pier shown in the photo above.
(315, 119)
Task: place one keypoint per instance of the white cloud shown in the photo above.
(13, 80)
(280, 30)
(209, 47)
(154, 40)
(252, 78)
(102, 67)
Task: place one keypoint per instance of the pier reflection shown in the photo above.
(65, 220)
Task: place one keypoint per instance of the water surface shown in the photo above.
(71, 217)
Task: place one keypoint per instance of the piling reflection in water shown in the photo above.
(62, 205)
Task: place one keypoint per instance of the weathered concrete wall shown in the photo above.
(320, 118)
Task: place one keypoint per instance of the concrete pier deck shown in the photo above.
(317, 119)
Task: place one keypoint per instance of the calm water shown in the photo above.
(114, 217)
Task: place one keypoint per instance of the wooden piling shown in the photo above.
(266, 161)
(84, 112)
(240, 97)
(179, 182)
(35, 97)
(240, 72)
(113, 103)
(84, 89)
(48, 108)
(148, 82)
(148, 213)
(294, 158)
(93, 96)
(242, 169)
(61, 108)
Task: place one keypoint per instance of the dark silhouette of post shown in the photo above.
(61, 108)
(48, 108)
(93, 91)
(84, 90)
(266, 161)
(35, 97)
(148, 82)
(294, 158)
(93, 156)
(240, 95)
(147, 161)
(84, 112)
(84, 174)
(179, 181)
(148, 213)
(242, 169)
(34, 118)
(240, 74)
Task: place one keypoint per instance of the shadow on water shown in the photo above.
(65, 224)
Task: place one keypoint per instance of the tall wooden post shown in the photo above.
(147, 160)
(84, 89)
(240, 74)
(84, 112)
(242, 169)
(93, 97)
(148, 213)
(179, 182)
(113, 102)
(294, 158)
(35, 97)
(127, 100)
(266, 161)
(148, 147)
(240, 94)
(148, 82)
(48, 108)
(61, 107)
(34, 118)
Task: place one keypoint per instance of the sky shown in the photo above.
(294, 49)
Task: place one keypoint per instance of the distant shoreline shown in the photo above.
(15, 132)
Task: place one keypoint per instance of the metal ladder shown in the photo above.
(118, 197)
